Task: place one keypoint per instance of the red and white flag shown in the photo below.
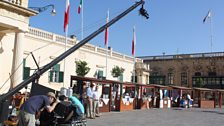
(66, 16)
(106, 31)
(80, 7)
(133, 43)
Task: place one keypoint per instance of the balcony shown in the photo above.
(23, 3)
(14, 15)
(142, 66)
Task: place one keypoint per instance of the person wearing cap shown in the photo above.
(34, 105)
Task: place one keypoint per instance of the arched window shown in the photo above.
(184, 78)
(211, 73)
(197, 74)
(170, 78)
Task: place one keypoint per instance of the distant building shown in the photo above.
(189, 70)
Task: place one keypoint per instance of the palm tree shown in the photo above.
(81, 68)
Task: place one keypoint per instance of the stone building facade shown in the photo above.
(189, 70)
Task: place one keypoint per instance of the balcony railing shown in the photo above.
(184, 56)
(48, 36)
(17, 2)
(23, 3)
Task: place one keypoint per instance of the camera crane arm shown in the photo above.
(67, 53)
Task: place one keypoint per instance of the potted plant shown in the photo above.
(81, 68)
(117, 71)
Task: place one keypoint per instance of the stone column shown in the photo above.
(17, 62)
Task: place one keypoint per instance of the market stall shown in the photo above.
(181, 96)
(125, 96)
(204, 97)
(145, 96)
(104, 90)
(162, 96)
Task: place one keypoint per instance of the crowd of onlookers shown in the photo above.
(85, 105)
(29, 109)
(91, 100)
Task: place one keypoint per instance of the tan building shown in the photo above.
(19, 42)
(189, 70)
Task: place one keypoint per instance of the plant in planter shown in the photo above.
(117, 71)
(81, 68)
(199, 82)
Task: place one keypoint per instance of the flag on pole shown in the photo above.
(80, 7)
(106, 31)
(207, 16)
(66, 16)
(133, 43)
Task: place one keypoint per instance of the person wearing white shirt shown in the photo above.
(89, 107)
(96, 98)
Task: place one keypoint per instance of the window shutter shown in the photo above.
(132, 77)
(61, 76)
(100, 74)
(56, 67)
(121, 78)
(26, 72)
(51, 76)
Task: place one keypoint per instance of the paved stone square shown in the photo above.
(161, 117)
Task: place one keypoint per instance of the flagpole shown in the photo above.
(211, 31)
(82, 19)
(66, 34)
(106, 42)
(134, 39)
(66, 22)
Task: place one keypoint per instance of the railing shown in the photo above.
(17, 2)
(89, 47)
(142, 66)
(44, 35)
(101, 50)
(114, 54)
(183, 56)
(40, 33)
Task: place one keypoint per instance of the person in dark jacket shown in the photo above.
(34, 105)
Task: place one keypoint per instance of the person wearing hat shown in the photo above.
(33, 105)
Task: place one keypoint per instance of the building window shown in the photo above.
(121, 78)
(212, 74)
(207, 81)
(184, 78)
(100, 75)
(157, 80)
(199, 82)
(170, 78)
(26, 70)
(55, 75)
(197, 74)
(132, 79)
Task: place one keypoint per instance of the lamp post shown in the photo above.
(41, 9)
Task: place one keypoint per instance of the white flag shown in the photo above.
(207, 16)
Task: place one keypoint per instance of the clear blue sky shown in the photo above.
(174, 26)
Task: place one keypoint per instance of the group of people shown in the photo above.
(32, 106)
(36, 104)
(91, 99)
(186, 101)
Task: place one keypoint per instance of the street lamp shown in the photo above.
(41, 9)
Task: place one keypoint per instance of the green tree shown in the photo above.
(199, 82)
(117, 71)
(81, 68)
